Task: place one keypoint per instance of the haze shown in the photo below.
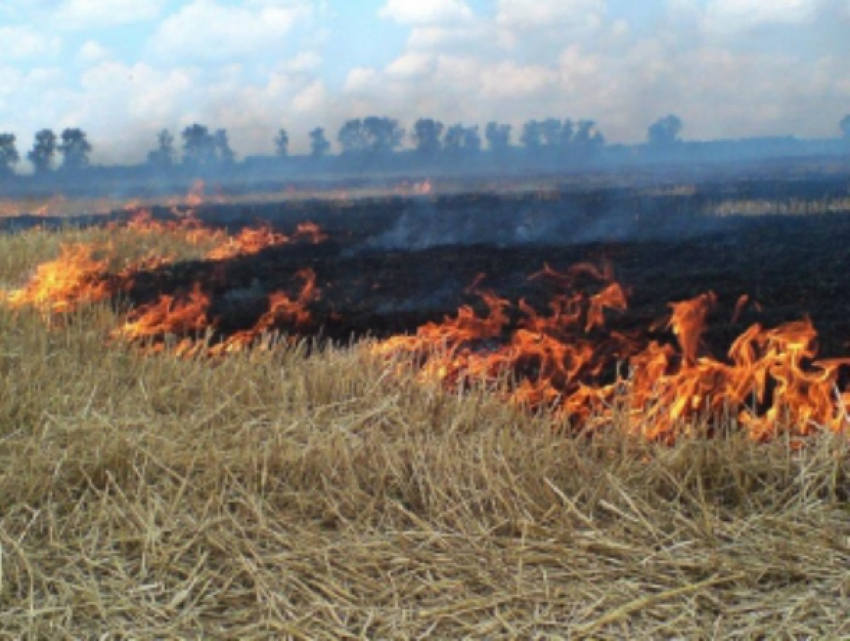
(122, 70)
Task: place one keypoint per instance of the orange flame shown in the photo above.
(60, 285)
(283, 311)
(554, 363)
(76, 277)
(169, 315)
(564, 359)
(187, 228)
(254, 240)
(190, 229)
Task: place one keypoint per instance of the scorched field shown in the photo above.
(609, 413)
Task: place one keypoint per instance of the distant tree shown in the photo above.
(550, 132)
(498, 136)
(460, 139)
(319, 145)
(163, 156)
(453, 140)
(532, 135)
(373, 134)
(199, 147)
(844, 125)
(75, 149)
(224, 154)
(664, 131)
(384, 135)
(472, 140)
(587, 136)
(352, 137)
(281, 144)
(43, 150)
(8, 154)
(568, 130)
(426, 136)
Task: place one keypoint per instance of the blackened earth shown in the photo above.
(390, 265)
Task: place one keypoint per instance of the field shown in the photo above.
(198, 476)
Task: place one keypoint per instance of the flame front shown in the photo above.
(282, 312)
(560, 361)
(61, 285)
(565, 359)
(169, 315)
(77, 277)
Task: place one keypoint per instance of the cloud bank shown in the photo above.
(123, 69)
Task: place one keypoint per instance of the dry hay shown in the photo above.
(276, 495)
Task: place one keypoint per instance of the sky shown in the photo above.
(122, 70)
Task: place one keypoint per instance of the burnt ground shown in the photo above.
(391, 265)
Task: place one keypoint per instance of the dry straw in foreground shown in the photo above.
(276, 494)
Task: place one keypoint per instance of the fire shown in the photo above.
(311, 232)
(283, 311)
(565, 359)
(77, 277)
(562, 361)
(688, 323)
(186, 227)
(169, 315)
(253, 240)
(61, 285)
(187, 319)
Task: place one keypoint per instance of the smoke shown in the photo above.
(567, 220)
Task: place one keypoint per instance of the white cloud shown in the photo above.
(523, 14)
(360, 78)
(256, 65)
(312, 99)
(122, 106)
(426, 12)
(88, 14)
(412, 65)
(208, 31)
(510, 81)
(304, 62)
(92, 52)
(476, 38)
(620, 78)
(123, 93)
(10, 81)
(733, 15)
(22, 42)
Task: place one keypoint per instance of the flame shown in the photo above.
(77, 277)
(565, 358)
(254, 240)
(54, 205)
(186, 228)
(771, 378)
(186, 318)
(283, 311)
(195, 197)
(62, 284)
(688, 323)
(168, 315)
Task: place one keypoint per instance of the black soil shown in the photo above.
(391, 265)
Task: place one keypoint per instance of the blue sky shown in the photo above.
(124, 69)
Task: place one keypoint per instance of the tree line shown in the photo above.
(72, 145)
(372, 136)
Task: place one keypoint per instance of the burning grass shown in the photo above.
(305, 491)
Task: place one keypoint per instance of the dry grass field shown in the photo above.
(315, 492)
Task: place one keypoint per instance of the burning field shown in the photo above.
(592, 414)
